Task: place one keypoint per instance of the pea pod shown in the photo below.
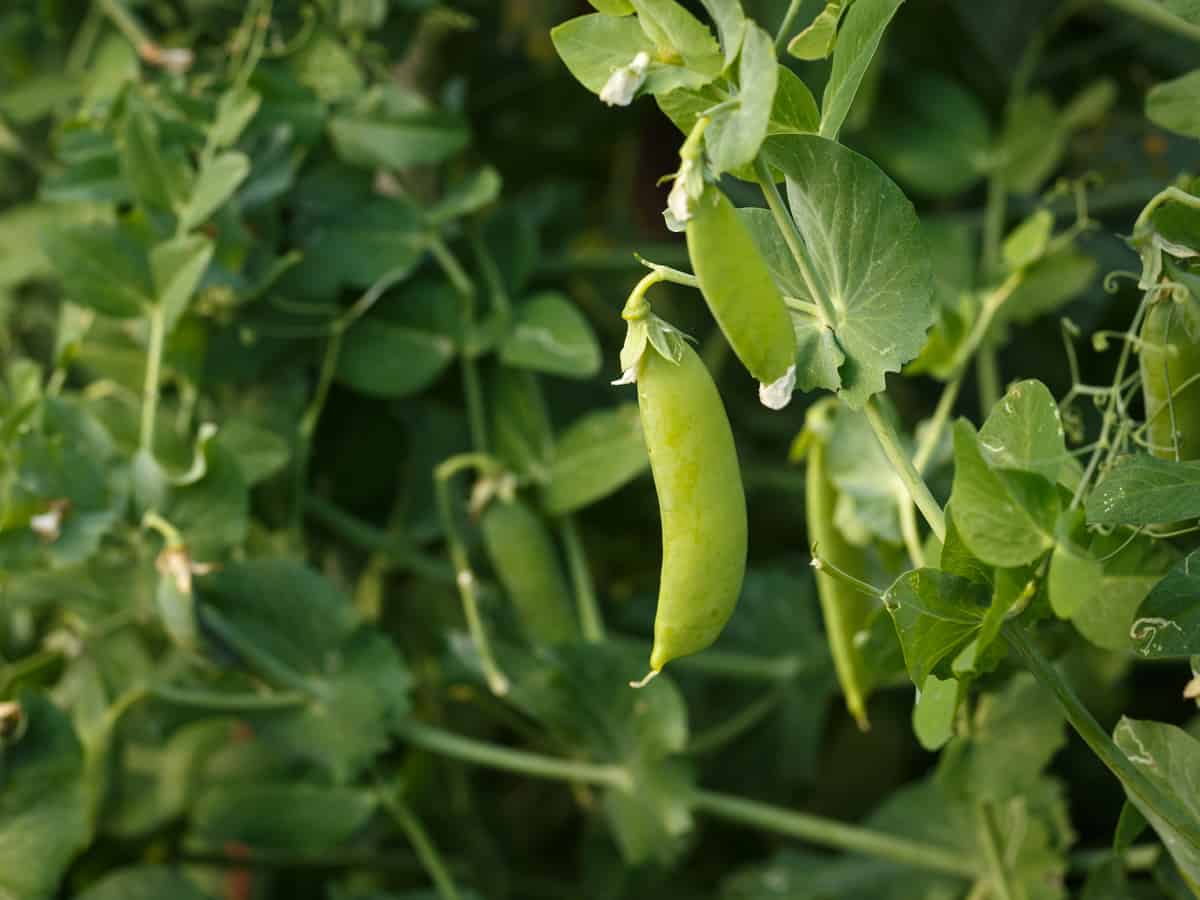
(743, 298)
(1170, 355)
(523, 555)
(700, 498)
(844, 608)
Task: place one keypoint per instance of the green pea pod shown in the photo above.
(523, 555)
(700, 498)
(844, 608)
(1170, 356)
(743, 298)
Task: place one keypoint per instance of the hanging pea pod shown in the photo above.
(743, 298)
(526, 562)
(1170, 365)
(701, 501)
(844, 608)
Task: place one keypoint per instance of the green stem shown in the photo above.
(789, 18)
(828, 833)
(1098, 739)
(422, 845)
(590, 620)
(792, 237)
(472, 387)
(128, 25)
(987, 374)
(918, 490)
(1154, 13)
(220, 701)
(154, 353)
(993, 851)
(937, 424)
(522, 762)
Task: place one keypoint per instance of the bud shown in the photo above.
(625, 81)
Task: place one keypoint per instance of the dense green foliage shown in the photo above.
(328, 552)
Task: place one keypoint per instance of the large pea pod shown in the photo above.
(526, 562)
(1170, 356)
(743, 298)
(700, 499)
(844, 608)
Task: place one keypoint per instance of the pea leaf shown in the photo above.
(214, 186)
(867, 256)
(734, 138)
(326, 67)
(858, 39)
(177, 266)
(594, 46)
(1025, 432)
(319, 817)
(43, 805)
(143, 883)
(1145, 490)
(100, 268)
(549, 334)
(153, 180)
(731, 25)
(936, 615)
(259, 451)
(1170, 758)
(1005, 517)
(669, 25)
(465, 196)
(613, 7)
(1172, 104)
(377, 136)
(1033, 142)
(387, 359)
(794, 109)
(1047, 285)
(934, 712)
(596, 454)
(521, 427)
(1167, 625)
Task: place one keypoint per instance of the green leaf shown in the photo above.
(866, 483)
(1005, 518)
(652, 820)
(100, 268)
(260, 452)
(734, 138)
(43, 804)
(858, 39)
(731, 25)
(293, 624)
(1046, 286)
(1024, 432)
(176, 267)
(932, 136)
(1145, 490)
(465, 196)
(521, 427)
(235, 108)
(549, 334)
(936, 614)
(327, 68)
(670, 26)
(154, 181)
(596, 455)
(214, 186)
(794, 109)
(934, 712)
(613, 7)
(1026, 243)
(1033, 142)
(594, 46)
(818, 38)
(213, 513)
(385, 359)
(1168, 621)
(1173, 104)
(1188, 10)
(317, 817)
(1170, 758)
(391, 130)
(867, 256)
(143, 883)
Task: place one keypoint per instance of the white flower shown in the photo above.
(629, 376)
(625, 81)
(778, 393)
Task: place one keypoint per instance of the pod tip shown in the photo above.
(650, 676)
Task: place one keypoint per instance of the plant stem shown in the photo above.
(993, 851)
(828, 833)
(472, 388)
(522, 762)
(986, 363)
(127, 24)
(1154, 14)
(221, 701)
(918, 490)
(791, 236)
(154, 352)
(1098, 740)
(422, 845)
(937, 424)
(789, 17)
(590, 621)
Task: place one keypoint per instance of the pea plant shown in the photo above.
(327, 561)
